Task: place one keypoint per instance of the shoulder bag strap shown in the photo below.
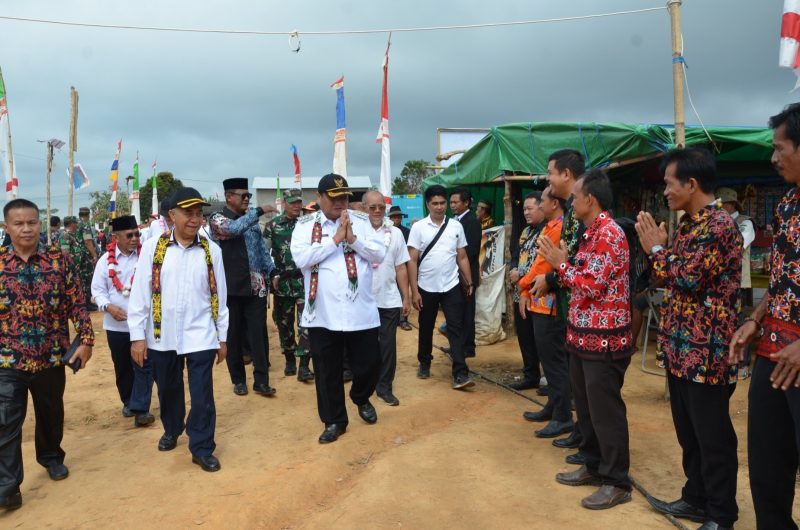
(433, 242)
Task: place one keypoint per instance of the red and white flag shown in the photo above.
(790, 38)
(385, 184)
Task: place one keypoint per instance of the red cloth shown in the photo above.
(777, 335)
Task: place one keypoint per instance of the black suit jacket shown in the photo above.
(473, 232)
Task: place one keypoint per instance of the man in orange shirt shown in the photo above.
(549, 332)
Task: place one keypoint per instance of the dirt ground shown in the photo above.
(442, 459)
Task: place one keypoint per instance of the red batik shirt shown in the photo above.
(599, 318)
(37, 300)
(702, 274)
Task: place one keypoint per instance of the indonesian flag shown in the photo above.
(340, 139)
(9, 170)
(789, 56)
(297, 178)
(385, 186)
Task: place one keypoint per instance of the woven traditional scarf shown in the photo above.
(158, 262)
(350, 262)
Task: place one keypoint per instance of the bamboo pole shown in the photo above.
(674, 7)
(73, 144)
(507, 225)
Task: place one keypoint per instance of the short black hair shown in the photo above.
(789, 116)
(435, 191)
(535, 194)
(596, 184)
(561, 202)
(569, 159)
(693, 162)
(54, 221)
(17, 204)
(463, 194)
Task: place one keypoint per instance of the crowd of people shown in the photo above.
(187, 292)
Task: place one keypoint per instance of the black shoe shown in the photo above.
(542, 415)
(525, 384)
(405, 325)
(469, 354)
(144, 419)
(368, 413)
(291, 365)
(543, 391)
(570, 442)
(167, 443)
(126, 412)
(577, 459)
(208, 463)
(57, 471)
(711, 525)
(263, 389)
(424, 371)
(446, 350)
(461, 382)
(347, 376)
(12, 502)
(304, 374)
(679, 508)
(240, 389)
(332, 433)
(389, 398)
(555, 428)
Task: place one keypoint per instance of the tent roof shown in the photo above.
(524, 147)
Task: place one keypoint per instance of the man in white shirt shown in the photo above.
(334, 250)
(159, 223)
(436, 247)
(178, 316)
(392, 301)
(111, 287)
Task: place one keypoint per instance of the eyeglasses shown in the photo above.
(244, 196)
(131, 235)
(377, 208)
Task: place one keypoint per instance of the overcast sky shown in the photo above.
(213, 106)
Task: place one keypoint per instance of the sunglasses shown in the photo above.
(131, 235)
(377, 208)
(244, 196)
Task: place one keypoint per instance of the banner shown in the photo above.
(114, 178)
(490, 296)
(135, 192)
(340, 139)
(79, 178)
(385, 186)
(297, 178)
(9, 170)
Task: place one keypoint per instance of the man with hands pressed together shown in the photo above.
(178, 317)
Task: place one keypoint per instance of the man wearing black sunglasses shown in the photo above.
(247, 270)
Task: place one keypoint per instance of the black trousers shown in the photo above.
(327, 352)
(527, 346)
(201, 423)
(47, 390)
(773, 444)
(602, 416)
(247, 318)
(387, 340)
(134, 383)
(467, 324)
(451, 303)
(705, 432)
(550, 335)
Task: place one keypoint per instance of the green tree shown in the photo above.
(411, 177)
(166, 183)
(101, 201)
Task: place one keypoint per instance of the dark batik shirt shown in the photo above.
(702, 274)
(37, 300)
(784, 284)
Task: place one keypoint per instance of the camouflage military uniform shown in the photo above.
(85, 233)
(290, 295)
(70, 244)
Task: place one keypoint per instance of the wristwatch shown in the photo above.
(656, 248)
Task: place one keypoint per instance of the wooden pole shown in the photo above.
(49, 171)
(73, 143)
(674, 7)
(508, 216)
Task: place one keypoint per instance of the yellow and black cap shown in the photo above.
(334, 185)
(186, 198)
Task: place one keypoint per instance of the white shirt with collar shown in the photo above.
(438, 272)
(186, 322)
(334, 310)
(384, 280)
(105, 293)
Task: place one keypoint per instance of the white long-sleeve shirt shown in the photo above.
(334, 310)
(105, 293)
(186, 322)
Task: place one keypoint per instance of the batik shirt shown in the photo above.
(37, 300)
(527, 254)
(784, 284)
(571, 231)
(702, 274)
(278, 234)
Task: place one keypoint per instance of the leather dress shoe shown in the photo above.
(570, 442)
(389, 398)
(424, 371)
(347, 376)
(290, 370)
(332, 433)
(167, 443)
(525, 384)
(126, 412)
(405, 325)
(12, 502)
(555, 428)
(208, 463)
(144, 419)
(462, 381)
(446, 350)
(679, 508)
(577, 459)
(711, 525)
(367, 412)
(540, 415)
(57, 471)
(543, 391)
(263, 389)
(579, 477)
(240, 389)
(304, 374)
(606, 497)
